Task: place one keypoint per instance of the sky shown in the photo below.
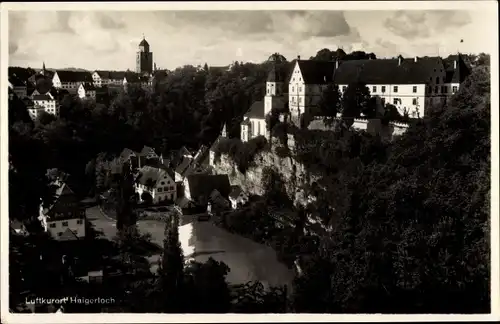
(108, 40)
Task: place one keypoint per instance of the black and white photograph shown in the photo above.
(229, 158)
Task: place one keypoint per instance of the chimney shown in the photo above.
(455, 64)
(415, 59)
(399, 60)
(336, 64)
(298, 57)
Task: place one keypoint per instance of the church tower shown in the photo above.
(275, 86)
(144, 58)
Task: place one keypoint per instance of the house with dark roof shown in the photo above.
(158, 182)
(70, 80)
(108, 78)
(237, 196)
(65, 218)
(182, 167)
(18, 86)
(199, 187)
(44, 102)
(86, 91)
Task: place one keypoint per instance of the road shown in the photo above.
(247, 259)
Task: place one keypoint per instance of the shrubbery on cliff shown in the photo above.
(241, 153)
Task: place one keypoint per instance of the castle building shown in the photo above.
(144, 58)
(412, 85)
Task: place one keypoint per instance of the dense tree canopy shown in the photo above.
(409, 232)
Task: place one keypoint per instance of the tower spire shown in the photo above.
(43, 68)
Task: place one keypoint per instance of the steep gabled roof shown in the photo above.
(387, 71)
(111, 75)
(316, 72)
(456, 69)
(236, 191)
(126, 154)
(16, 81)
(183, 166)
(256, 110)
(149, 173)
(74, 76)
(88, 86)
(68, 235)
(132, 77)
(43, 97)
(204, 184)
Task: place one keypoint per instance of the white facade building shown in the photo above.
(158, 182)
(44, 102)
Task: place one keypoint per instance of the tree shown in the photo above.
(329, 104)
(125, 216)
(171, 271)
(44, 118)
(208, 290)
(355, 100)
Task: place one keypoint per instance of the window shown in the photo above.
(300, 89)
(59, 234)
(395, 101)
(344, 88)
(162, 183)
(293, 79)
(79, 222)
(293, 89)
(429, 89)
(437, 80)
(293, 99)
(52, 225)
(383, 89)
(414, 89)
(65, 224)
(268, 91)
(436, 89)
(414, 101)
(300, 79)
(172, 188)
(444, 89)
(160, 189)
(395, 88)
(374, 89)
(301, 99)
(454, 89)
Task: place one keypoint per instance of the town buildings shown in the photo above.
(87, 91)
(70, 80)
(47, 102)
(158, 182)
(65, 219)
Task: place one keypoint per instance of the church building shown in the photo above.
(144, 58)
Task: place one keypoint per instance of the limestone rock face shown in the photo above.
(292, 172)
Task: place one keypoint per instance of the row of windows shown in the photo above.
(52, 110)
(170, 188)
(65, 224)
